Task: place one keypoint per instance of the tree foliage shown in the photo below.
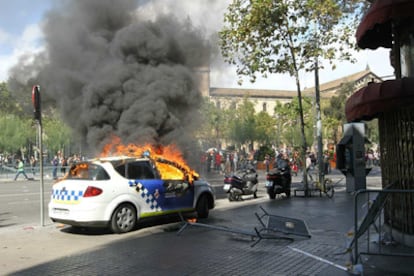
(55, 134)
(334, 112)
(15, 132)
(8, 104)
(287, 36)
(287, 118)
(267, 36)
(265, 128)
(243, 126)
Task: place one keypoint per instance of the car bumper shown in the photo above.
(78, 215)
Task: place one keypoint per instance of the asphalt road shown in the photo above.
(20, 200)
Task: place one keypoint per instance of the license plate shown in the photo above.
(269, 183)
(226, 187)
(58, 211)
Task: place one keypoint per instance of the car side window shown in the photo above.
(140, 170)
(100, 174)
(121, 169)
(87, 171)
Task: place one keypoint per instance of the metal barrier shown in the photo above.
(370, 227)
(273, 227)
(8, 172)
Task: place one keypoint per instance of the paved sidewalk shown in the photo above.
(156, 249)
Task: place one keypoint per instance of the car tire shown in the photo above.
(123, 219)
(287, 192)
(271, 193)
(202, 207)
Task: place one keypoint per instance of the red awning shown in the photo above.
(376, 98)
(375, 28)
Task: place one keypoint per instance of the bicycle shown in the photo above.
(327, 187)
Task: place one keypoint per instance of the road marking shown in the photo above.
(19, 194)
(319, 258)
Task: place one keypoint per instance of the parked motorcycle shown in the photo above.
(243, 182)
(279, 180)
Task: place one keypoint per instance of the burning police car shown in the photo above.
(116, 192)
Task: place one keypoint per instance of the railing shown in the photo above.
(371, 235)
(8, 172)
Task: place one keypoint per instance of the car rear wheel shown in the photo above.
(123, 219)
(271, 193)
(202, 207)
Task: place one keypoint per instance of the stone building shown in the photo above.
(265, 100)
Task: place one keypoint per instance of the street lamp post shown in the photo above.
(318, 122)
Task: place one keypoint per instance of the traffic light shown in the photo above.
(36, 102)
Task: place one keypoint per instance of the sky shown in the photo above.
(20, 33)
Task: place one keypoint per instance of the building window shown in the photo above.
(264, 107)
(218, 104)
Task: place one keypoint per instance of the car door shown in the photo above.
(160, 194)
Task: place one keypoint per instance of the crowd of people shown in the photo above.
(20, 165)
(227, 161)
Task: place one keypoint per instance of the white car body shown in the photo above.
(144, 196)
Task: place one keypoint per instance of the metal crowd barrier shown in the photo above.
(371, 235)
(8, 172)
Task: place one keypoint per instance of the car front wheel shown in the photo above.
(123, 219)
(202, 207)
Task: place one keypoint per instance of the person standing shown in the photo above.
(55, 163)
(20, 169)
(63, 166)
(33, 164)
(267, 162)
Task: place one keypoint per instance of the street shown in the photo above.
(20, 200)
(155, 248)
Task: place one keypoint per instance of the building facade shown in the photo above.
(265, 100)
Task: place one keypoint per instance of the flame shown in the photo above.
(162, 155)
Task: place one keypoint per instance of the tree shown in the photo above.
(265, 128)
(287, 121)
(215, 124)
(56, 135)
(15, 133)
(242, 129)
(8, 104)
(335, 111)
(286, 36)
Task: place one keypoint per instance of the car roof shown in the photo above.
(117, 158)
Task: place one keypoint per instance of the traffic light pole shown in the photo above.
(42, 186)
(38, 117)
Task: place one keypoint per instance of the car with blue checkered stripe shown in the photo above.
(116, 192)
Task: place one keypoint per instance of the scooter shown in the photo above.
(243, 182)
(278, 181)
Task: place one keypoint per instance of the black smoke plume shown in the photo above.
(111, 73)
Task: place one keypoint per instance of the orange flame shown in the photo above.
(157, 153)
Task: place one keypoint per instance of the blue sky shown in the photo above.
(20, 33)
(15, 17)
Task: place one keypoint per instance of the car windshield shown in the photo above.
(87, 171)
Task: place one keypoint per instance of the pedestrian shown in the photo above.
(20, 169)
(217, 165)
(236, 161)
(266, 162)
(33, 164)
(55, 163)
(64, 164)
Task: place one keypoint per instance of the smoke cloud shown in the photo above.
(110, 70)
